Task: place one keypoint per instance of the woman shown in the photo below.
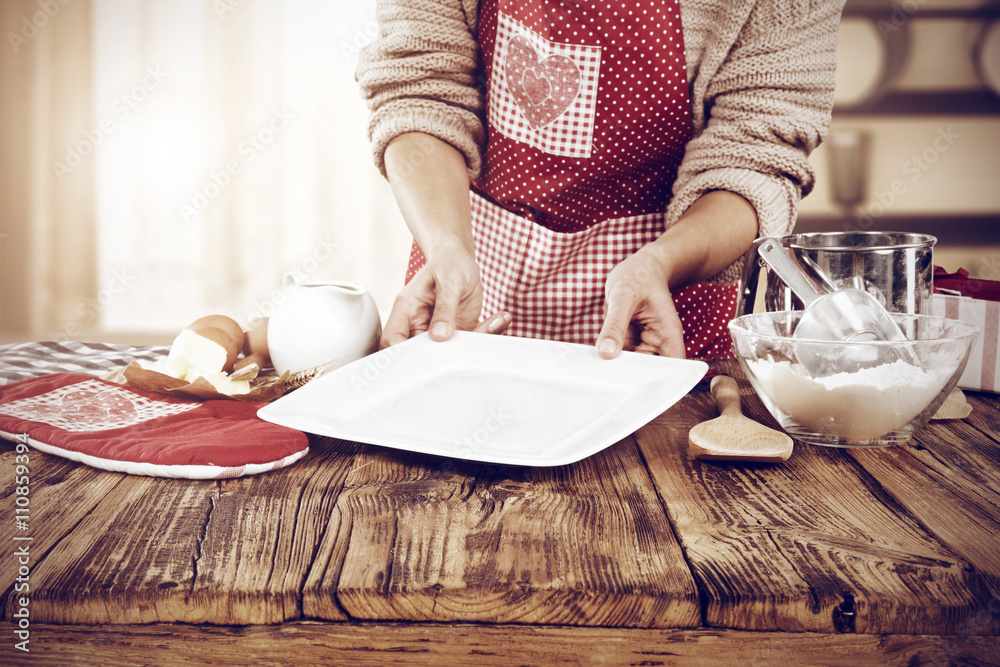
(622, 157)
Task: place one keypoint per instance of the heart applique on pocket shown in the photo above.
(542, 88)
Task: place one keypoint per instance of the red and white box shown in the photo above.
(976, 302)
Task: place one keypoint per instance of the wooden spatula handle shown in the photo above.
(727, 395)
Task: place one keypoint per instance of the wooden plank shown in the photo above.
(434, 539)
(440, 645)
(162, 550)
(813, 544)
(948, 477)
(261, 535)
(60, 494)
(130, 560)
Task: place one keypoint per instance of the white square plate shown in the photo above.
(488, 398)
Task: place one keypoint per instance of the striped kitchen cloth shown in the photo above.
(22, 361)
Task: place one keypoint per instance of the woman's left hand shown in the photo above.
(639, 312)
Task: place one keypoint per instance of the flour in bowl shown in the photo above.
(859, 406)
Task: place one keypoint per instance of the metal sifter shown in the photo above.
(847, 314)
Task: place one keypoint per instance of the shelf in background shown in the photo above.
(949, 230)
(964, 103)
(918, 58)
(884, 9)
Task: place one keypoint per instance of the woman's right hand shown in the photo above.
(443, 296)
(431, 184)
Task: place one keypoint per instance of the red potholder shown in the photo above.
(123, 429)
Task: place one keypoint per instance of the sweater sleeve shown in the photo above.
(421, 75)
(766, 105)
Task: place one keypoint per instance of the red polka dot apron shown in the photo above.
(588, 116)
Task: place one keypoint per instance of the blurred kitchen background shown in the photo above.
(161, 160)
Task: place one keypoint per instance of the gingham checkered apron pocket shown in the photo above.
(545, 95)
(551, 282)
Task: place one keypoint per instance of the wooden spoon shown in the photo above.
(733, 437)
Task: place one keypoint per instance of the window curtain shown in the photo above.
(47, 227)
(185, 156)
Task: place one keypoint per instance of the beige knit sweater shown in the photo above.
(760, 72)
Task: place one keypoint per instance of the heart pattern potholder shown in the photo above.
(124, 429)
(542, 88)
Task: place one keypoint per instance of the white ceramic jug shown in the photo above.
(317, 324)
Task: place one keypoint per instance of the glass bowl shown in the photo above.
(875, 398)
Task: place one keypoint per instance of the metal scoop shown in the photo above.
(846, 314)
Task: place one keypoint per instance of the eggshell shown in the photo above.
(227, 324)
(248, 367)
(255, 341)
(223, 338)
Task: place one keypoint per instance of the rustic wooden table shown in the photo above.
(636, 555)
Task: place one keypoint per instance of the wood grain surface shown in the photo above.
(638, 553)
(948, 478)
(113, 548)
(434, 539)
(813, 544)
(461, 644)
